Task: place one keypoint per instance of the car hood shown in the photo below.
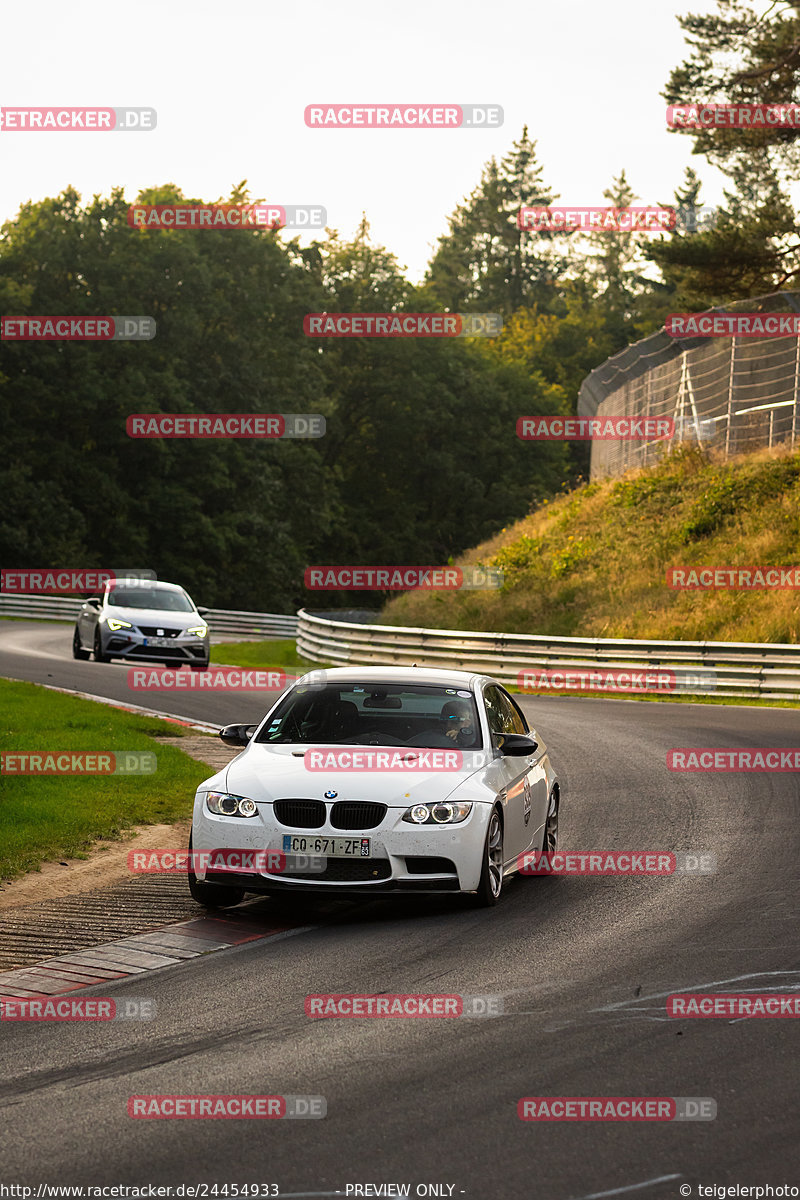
(154, 616)
(268, 773)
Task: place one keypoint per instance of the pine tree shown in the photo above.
(485, 262)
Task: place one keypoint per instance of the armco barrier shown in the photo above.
(742, 669)
(771, 671)
(220, 620)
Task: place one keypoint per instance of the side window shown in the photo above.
(518, 722)
(504, 717)
(496, 710)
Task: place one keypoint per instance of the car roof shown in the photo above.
(143, 583)
(396, 675)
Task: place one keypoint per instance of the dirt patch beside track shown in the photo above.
(79, 903)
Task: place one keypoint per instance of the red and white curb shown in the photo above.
(138, 954)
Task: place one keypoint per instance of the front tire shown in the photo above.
(98, 649)
(491, 884)
(212, 895)
(550, 837)
(77, 649)
(199, 666)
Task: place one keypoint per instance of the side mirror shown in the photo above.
(516, 745)
(202, 612)
(237, 735)
(95, 602)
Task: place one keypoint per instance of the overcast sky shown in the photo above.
(230, 83)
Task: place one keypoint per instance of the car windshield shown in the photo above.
(375, 714)
(158, 598)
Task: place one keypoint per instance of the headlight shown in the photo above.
(225, 805)
(199, 630)
(114, 624)
(438, 814)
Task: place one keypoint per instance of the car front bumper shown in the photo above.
(131, 644)
(403, 857)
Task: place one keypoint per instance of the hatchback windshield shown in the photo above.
(376, 714)
(149, 598)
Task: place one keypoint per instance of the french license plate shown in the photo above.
(156, 641)
(331, 847)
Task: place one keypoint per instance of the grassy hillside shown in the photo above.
(594, 561)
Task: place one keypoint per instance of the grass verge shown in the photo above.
(265, 655)
(51, 817)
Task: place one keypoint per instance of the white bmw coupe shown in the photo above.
(376, 780)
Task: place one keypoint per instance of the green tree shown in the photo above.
(484, 262)
(423, 446)
(234, 520)
(739, 57)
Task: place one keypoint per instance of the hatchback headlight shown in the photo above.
(225, 805)
(199, 630)
(114, 624)
(449, 813)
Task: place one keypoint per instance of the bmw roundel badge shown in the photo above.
(331, 795)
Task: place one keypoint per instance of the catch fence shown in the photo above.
(734, 394)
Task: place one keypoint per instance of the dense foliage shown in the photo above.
(421, 458)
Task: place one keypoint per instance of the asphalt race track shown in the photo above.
(583, 965)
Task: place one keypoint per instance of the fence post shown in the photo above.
(730, 398)
(647, 407)
(796, 380)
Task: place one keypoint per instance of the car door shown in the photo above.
(524, 782)
(536, 774)
(87, 620)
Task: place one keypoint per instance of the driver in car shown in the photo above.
(457, 719)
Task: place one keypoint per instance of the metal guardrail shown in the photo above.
(768, 670)
(220, 620)
(758, 669)
(259, 625)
